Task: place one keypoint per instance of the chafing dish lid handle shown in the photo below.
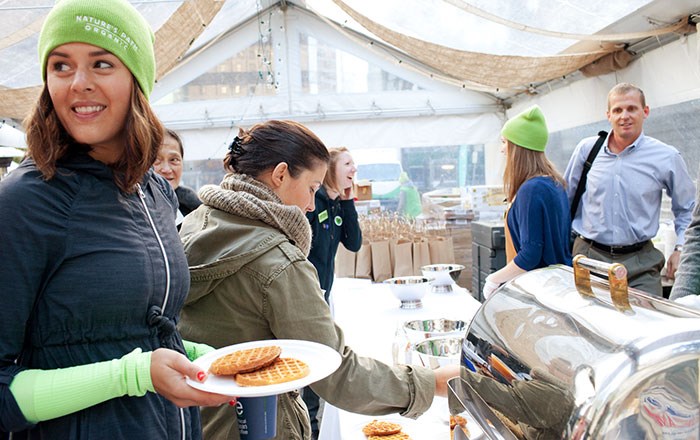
(617, 277)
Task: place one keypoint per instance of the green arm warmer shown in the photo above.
(195, 350)
(47, 394)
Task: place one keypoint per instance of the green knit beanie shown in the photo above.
(113, 25)
(527, 129)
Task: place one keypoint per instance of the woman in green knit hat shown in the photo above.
(538, 222)
(93, 272)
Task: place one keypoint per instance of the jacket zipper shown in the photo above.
(333, 209)
(142, 196)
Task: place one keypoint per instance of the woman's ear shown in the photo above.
(279, 174)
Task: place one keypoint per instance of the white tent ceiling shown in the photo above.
(532, 28)
(466, 61)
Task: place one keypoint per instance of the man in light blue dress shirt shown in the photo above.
(619, 211)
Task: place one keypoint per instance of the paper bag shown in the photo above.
(421, 256)
(363, 261)
(441, 250)
(344, 263)
(363, 190)
(392, 253)
(403, 258)
(381, 262)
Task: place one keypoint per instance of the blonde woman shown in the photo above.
(334, 220)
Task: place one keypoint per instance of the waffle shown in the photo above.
(397, 436)
(243, 361)
(381, 428)
(281, 370)
(458, 422)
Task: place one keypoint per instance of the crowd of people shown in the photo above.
(99, 293)
(116, 277)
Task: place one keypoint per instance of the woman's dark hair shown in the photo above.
(267, 144)
(48, 141)
(176, 136)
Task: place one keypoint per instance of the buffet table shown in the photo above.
(369, 315)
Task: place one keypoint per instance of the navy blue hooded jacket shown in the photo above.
(83, 272)
(332, 222)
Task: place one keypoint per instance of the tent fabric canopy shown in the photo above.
(501, 71)
(178, 35)
(626, 36)
(382, 78)
(497, 71)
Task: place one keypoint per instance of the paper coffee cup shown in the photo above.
(257, 417)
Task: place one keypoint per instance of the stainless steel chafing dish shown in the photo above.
(556, 353)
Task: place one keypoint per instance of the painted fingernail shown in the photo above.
(200, 376)
(232, 402)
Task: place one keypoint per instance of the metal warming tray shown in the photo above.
(558, 354)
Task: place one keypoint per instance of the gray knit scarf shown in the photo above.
(242, 195)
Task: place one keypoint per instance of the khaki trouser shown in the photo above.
(643, 267)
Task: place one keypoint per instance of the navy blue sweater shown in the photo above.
(540, 224)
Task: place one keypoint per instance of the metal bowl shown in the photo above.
(443, 276)
(409, 290)
(421, 329)
(438, 352)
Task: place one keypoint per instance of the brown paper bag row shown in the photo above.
(382, 259)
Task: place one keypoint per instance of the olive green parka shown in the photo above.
(249, 282)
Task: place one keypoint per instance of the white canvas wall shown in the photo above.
(365, 134)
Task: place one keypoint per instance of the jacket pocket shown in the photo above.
(295, 423)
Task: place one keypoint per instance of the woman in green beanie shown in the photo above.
(538, 222)
(93, 272)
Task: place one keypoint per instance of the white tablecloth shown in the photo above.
(369, 314)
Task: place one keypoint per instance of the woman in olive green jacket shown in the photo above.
(247, 247)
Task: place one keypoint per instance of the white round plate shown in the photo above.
(321, 359)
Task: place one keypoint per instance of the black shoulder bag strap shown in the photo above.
(581, 188)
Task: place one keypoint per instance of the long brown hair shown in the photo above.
(523, 164)
(48, 141)
(331, 180)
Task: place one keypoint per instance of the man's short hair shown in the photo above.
(625, 88)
